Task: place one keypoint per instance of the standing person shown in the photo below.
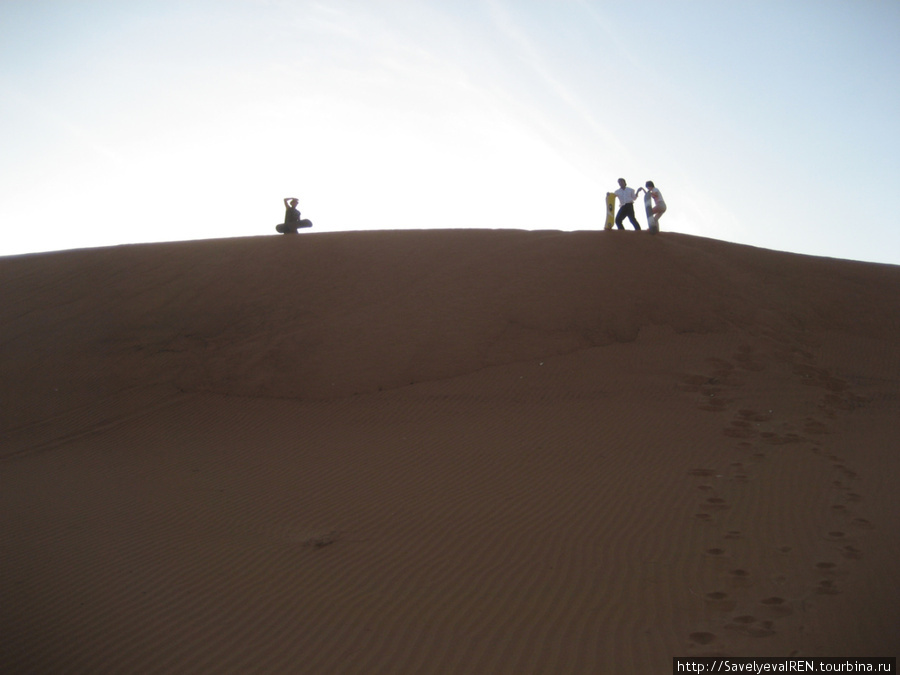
(292, 221)
(659, 204)
(655, 210)
(626, 209)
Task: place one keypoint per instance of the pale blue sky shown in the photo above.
(771, 123)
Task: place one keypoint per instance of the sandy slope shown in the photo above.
(458, 451)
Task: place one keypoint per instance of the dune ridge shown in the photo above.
(445, 451)
(321, 316)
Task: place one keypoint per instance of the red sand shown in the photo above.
(445, 451)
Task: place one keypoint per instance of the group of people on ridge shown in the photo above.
(626, 197)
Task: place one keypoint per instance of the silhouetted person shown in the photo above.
(626, 199)
(659, 204)
(292, 221)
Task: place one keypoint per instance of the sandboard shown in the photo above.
(303, 223)
(652, 222)
(610, 211)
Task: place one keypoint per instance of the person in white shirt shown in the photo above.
(626, 198)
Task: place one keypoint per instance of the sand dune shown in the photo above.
(445, 451)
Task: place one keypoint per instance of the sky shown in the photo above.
(773, 123)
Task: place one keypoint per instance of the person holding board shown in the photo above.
(292, 221)
(626, 200)
(657, 209)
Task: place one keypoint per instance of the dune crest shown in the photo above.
(330, 315)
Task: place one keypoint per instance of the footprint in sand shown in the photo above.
(819, 377)
(780, 439)
(739, 430)
(844, 402)
(827, 587)
(702, 638)
(722, 369)
(754, 415)
(713, 404)
(776, 606)
(745, 359)
(750, 626)
(716, 504)
(851, 552)
(740, 578)
(844, 496)
(719, 601)
(815, 427)
(694, 382)
(844, 471)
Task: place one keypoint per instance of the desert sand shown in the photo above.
(468, 451)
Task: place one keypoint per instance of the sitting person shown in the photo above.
(292, 221)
